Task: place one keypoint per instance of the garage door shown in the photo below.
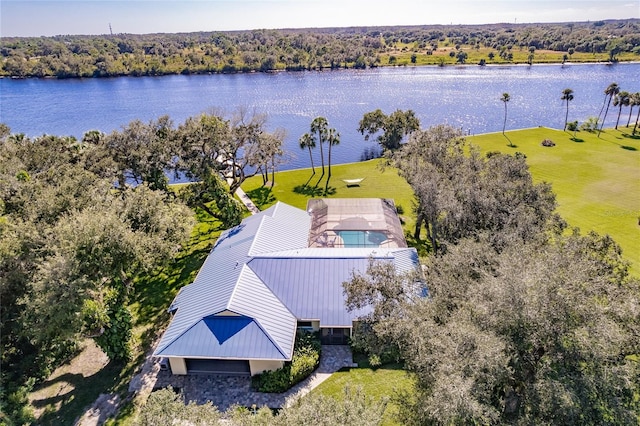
(218, 366)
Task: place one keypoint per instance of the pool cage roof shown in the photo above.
(354, 222)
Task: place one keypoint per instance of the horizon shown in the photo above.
(49, 18)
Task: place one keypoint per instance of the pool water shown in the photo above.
(362, 238)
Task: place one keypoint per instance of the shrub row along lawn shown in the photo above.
(596, 179)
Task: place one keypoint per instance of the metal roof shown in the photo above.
(265, 276)
(309, 282)
(234, 337)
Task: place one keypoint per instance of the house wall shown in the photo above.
(178, 366)
(227, 313)
(258, 366)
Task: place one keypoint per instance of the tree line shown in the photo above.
(72, 56)
(81, 219)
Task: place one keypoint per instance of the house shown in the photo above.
(279, 270)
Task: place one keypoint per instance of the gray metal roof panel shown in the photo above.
(311, 288)
(270, 236)
(254, 299)
(213, 286)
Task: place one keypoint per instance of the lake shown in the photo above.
(467, 97)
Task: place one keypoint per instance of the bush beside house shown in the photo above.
(306, 358)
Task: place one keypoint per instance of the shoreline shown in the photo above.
(467, 65)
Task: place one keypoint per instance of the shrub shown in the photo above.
(306, 358)
(590, 125)
(572, 126)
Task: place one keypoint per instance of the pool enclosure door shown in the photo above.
(335, 336)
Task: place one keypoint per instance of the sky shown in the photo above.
(27, 18)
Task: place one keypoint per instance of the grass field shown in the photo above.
(596, 180)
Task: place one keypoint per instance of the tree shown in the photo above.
(634, 100)
(505, 98)
(167, 407)
(143, 152)
(531, 56)
(611, 90)
(333, 138)
(67, 235)
(620, 99)
(235, 148)
(637, 100)
(307, 141)
(394, 127)
(567, 96)
(536, 333)
(319, 127)
(459, 192)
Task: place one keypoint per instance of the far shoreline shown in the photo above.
(327, 69)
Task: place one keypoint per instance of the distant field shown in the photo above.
(403, 52)
(596, 180)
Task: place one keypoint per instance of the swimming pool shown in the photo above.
(362, 238)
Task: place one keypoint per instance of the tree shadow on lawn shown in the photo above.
(578, 140)
(262, 197)
(629, 148)
(314, 191)
(510, 144)
(631, 136)
(423, 247)
(84, 391)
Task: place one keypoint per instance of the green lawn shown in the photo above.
(381, 382)
(596, 180)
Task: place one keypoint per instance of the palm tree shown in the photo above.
(308, 141)
(611, 90)
(333, 138)
(621, 99)
(636, 97)
(505, 98)
(567, 95)
(604, 101)
(319, 126)
(635, 126)
(634, 100)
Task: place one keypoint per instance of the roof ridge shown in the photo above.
(160, 349)
(246, 267)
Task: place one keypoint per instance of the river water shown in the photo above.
(467, 97)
